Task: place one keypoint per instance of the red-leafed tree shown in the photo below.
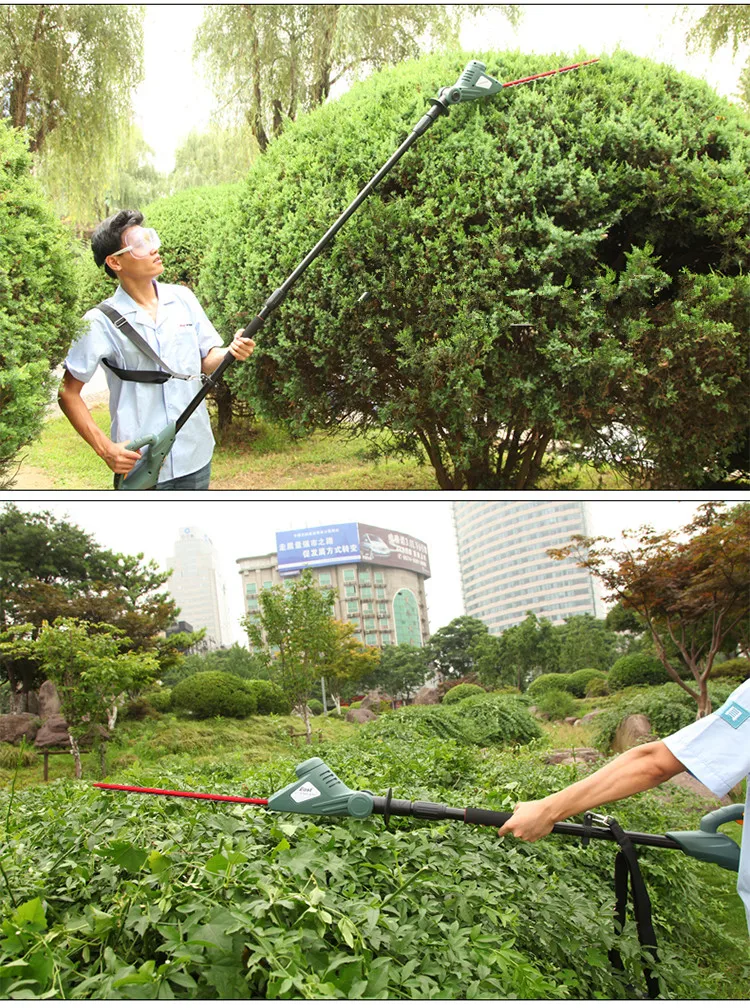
(691, 587)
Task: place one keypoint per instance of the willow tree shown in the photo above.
(67, 74)
(273, 61)
(723, 25)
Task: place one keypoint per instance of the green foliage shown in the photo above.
(526, 650)
(735, 667)
(598, 686)
(667, 707)
(218, 155)
(271, 699)
(557, 704)
(315, 706)
(585, 642)
(579, 681)
(161, 700)
(637, 670)
(15, 756)
(451, 648)
(214, 694)
(604, 207)
(38, 316)
(460, 692)
(401, 671)
(552, 680)
(188, 223)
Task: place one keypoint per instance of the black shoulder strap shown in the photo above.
(156, 377)
(626, 864)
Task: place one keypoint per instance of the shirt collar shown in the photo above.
(124, 303)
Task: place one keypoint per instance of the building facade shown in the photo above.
(381, 593)
(505, 570)
(198, 588)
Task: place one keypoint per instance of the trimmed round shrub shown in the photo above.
(214, 694)
(38, 299)
(462, 691)
(598, 686)
(578, 681)
(550, 680)
(161, 700)
(734, 668)
(557, 704)
(269, 697)
(316, 707)
(578, 205)
(138, 709)
(636, 670)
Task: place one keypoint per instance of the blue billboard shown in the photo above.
(317, 547)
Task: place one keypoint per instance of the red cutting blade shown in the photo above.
(182, 794)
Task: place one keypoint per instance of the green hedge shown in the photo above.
(460, 692)
(268, 696)
(637, 670)
(38, 299)
(556, 704)
(550, 680)
(734, 668)
(214, 694)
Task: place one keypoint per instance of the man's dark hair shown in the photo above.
(108, 236)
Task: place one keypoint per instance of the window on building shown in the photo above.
(382, 609)
(354, 622)
(253, 605)
(349, 574)
(379, 578)
(324, 579)
(385, 639)
(350, 591)
(352, 608)
(358, 636)
(370, 623)
(371, 639)
(268, 584)
(384, 624)
(367, 607)
(251, 588)
(380, 593)
(365, 592)
(364, 577)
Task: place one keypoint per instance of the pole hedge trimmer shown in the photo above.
(473, 83)
(318, 791)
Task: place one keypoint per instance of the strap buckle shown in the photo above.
(596, 817)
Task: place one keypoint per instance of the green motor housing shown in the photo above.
(707, 844)
(318, 791)
(145, 474)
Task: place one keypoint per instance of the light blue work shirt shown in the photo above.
(182, 336)
(716, 750)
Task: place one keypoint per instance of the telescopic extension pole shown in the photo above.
(473, 83)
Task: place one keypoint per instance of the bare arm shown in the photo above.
(239, 348)
(636, 770)
(117, 457)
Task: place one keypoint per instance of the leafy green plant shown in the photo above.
(735, 667)
(270, 697)
(214, 694)
(316, 707)
(637, 670)
(550, 680)
(556, 704)
(161, 700)
(597, 687)
(12, 756)
(579, 681)
(461, 691)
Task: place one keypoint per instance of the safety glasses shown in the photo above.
(143, 242)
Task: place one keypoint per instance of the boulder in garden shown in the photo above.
(14, 727)
(632, 731)
(427, 695)
(48, 700)
(359, 715)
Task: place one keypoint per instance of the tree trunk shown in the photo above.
(112, 716)
(103, 757)
(308, 727)
(76, 754)
(704, 700)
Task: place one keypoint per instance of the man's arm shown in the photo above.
(117, 457)
(636, 770)
(239, 348)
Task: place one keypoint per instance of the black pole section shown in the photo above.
(487, 817)
(437, 108)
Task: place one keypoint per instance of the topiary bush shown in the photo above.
(605, 207)
(160, 700)
(269, 697)
(578, 681)
(214, 694)
(556, 704)
(550, 680)
(460, 692)
(316, 707)
(636, 670)
(597, 687)
(734, 668)
(38, 300)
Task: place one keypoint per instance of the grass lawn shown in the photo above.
(257, 456)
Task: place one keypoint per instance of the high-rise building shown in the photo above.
(505, 569)
(379, 575)
(198, 588)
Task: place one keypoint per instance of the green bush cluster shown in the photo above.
(734, 668)
(667, 707)
(597, 687)
(38, 299)
(160, 700)
(268, 696)
(461, 691)
(213, 694)
(556, 704)
(477, 720)
(575, 683)
(637, 670)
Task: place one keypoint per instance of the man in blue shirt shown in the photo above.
(174, 325)
(715, 750)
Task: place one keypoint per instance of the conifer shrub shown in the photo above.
(597, 687)
(738, 668)
(214, 694)
(550, 680)
(316, 707)
(460, 692)
(607, 208)
(38, 296)
(556, 704)
(637, 670)
(578, 681)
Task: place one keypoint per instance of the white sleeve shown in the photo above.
(716, 749)
(87, 352)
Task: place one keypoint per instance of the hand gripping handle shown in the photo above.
(148, 439)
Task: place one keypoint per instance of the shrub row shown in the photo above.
(575, 683)
(221, 694)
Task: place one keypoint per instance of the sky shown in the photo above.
(246, 526)
(175, 99)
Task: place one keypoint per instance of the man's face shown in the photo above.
(146, 264)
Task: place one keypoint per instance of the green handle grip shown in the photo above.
(149, 439)
(706, 844)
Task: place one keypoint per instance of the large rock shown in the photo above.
(632, 730)
(53, 733)
(589, 717)
(427, 695)
(360, 715)
(14, 727)
(49, 701)
(373, 701)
